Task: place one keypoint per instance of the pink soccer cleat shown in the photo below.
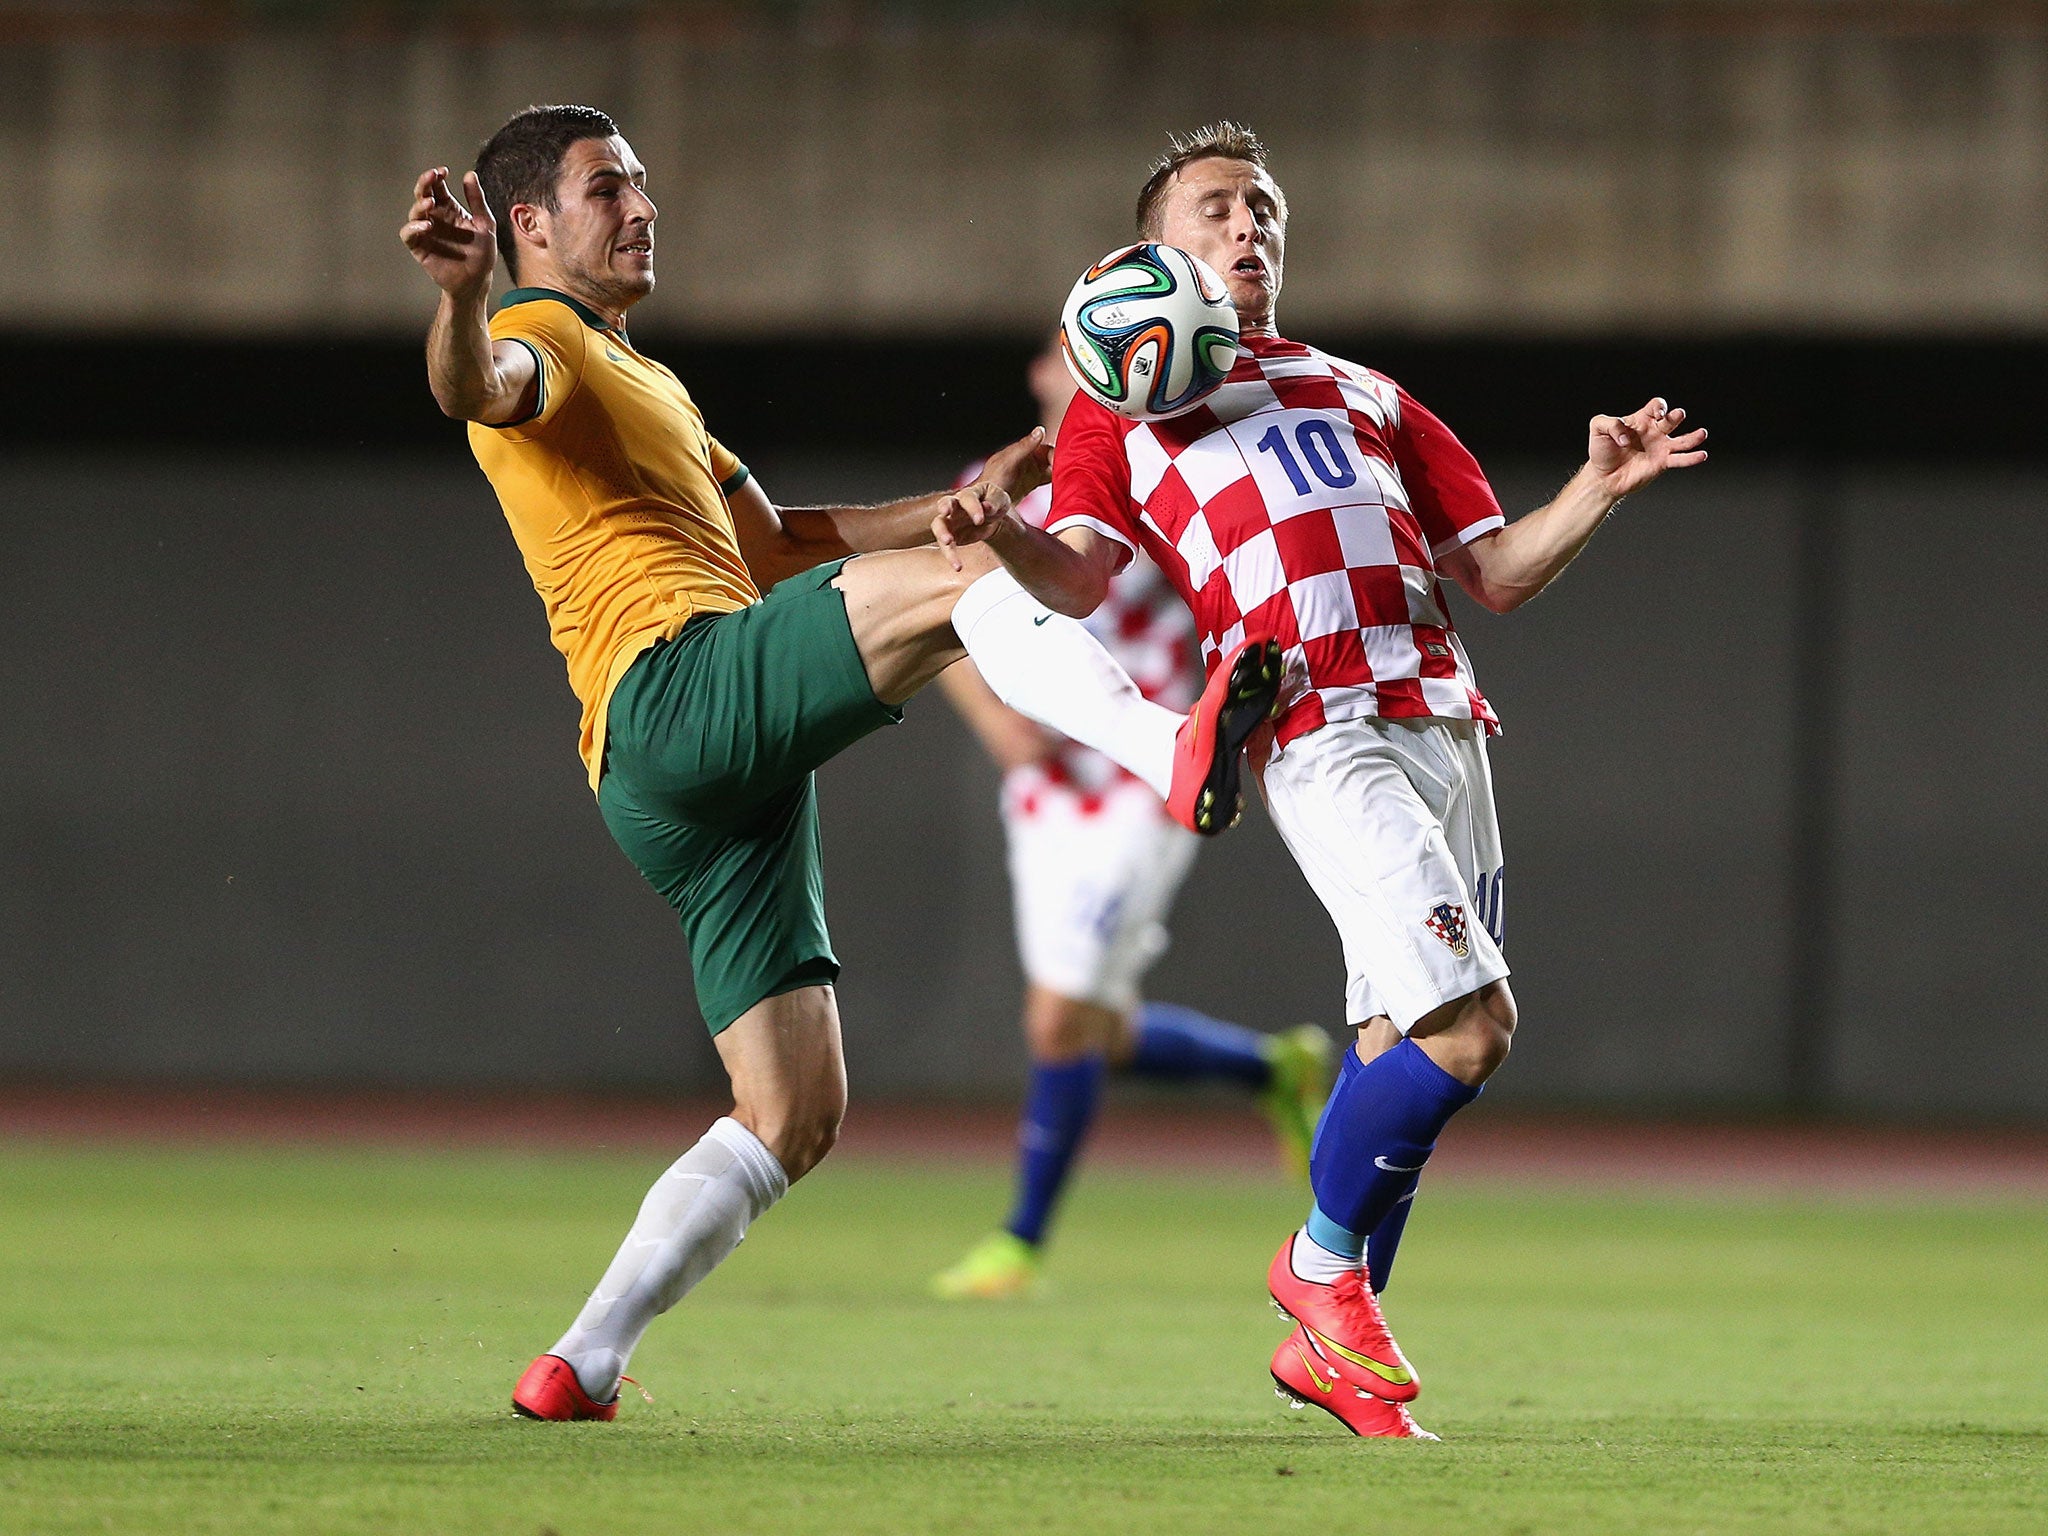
(550, 1390)
(1308, 1378)
(1204, 795)
(1345, 1324)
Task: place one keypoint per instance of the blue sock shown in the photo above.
(1385, 1240)
(1323, 1231)
(1178, 1042)
(1378, 1130)
(1348, 1067)
(1057, 1114)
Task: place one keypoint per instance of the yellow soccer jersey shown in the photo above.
(616, 494)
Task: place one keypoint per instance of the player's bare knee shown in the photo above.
(1470, 1055)
(1376, 1036)
(1489, 1018)
(816, 1138)
(1497, 1001)
(1471, 1036)
(1061, 1029)
(797, 1119)
(1057, 1038)
(824, 1118)
(801, 1139)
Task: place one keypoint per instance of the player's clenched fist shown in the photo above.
(457, 245)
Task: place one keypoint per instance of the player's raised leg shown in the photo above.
(914, 614)
(789, 1093)
(1197, 774)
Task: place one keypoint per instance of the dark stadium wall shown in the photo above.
(1825, 398)
(293, 793)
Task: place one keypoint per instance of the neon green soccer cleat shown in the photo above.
(1001, 1267)
(1293, 1101)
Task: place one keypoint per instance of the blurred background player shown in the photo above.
(1317, 499)
(1095, 864)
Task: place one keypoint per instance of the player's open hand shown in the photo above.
(457, 245)
(1628, 452)
(970, 515)
(1022, 467)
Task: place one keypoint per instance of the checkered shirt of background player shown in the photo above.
(1307, 496)
(1145, 624)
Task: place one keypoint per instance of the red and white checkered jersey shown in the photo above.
(1307, 496)
(1146, 626)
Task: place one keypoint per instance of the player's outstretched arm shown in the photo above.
(778, 542)
(473, 379)
(1069, 572)
(1504, 570)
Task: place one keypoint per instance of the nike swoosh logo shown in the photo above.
(1392, 1375)
(1040, 620)
(1381, 1162)
(1312, 1376)
(608, 352)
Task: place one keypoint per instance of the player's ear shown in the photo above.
(531, 221)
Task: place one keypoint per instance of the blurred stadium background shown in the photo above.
(292, 795)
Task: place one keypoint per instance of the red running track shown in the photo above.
(1485, 1145)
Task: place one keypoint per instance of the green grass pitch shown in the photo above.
(260, 1340)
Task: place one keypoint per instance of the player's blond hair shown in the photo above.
(1220, 140)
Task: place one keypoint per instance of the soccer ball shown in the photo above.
(1149, 331)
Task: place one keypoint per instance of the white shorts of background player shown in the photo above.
(1392, 822)
(1091, 892)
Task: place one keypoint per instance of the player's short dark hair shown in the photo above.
(1220, 140)
(522, 163)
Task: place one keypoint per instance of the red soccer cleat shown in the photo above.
(1344, 1323)
(1308, 1378)
(550, 1390)
(1204, 796)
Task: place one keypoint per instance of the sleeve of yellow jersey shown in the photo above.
(556, 338)
(726, 468)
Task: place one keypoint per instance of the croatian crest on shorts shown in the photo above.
(1447, 921)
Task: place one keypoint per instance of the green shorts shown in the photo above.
(709, 745)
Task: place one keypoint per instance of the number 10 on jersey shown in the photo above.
(1315, 444)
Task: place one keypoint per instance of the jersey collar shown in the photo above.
(583, 311)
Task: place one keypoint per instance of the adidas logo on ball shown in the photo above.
(1149, 331)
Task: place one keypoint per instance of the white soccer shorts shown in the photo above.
(1091, 889)
(1392, 821)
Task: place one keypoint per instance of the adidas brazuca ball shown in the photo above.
(1149, 331)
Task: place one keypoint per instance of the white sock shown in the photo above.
(1046, 665)
(1316, 1264)
(694, 1216)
